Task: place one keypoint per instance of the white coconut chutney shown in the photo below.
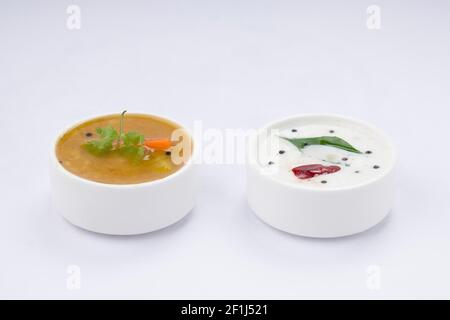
(278, 156)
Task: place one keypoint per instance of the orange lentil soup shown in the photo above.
(113, 167)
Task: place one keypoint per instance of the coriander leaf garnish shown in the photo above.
(132, 138)
(129, 144)
(122, 119)
(107, 133)
(132, 146)
(133, 153)
(103, 145)
(331, 141)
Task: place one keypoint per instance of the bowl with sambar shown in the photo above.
(123, 174)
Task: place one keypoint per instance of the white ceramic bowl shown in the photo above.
(122, 209)
(316, 212)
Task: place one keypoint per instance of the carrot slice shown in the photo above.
(158, 144)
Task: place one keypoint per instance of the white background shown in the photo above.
(230, 64)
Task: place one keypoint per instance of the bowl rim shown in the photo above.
(166, 179)
(381, 133)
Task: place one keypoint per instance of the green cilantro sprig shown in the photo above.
(132, 146)
(105, 143)
(129, 144)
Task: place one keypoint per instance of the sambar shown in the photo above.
(99, 149)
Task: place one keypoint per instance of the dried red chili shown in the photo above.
(312, 170)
